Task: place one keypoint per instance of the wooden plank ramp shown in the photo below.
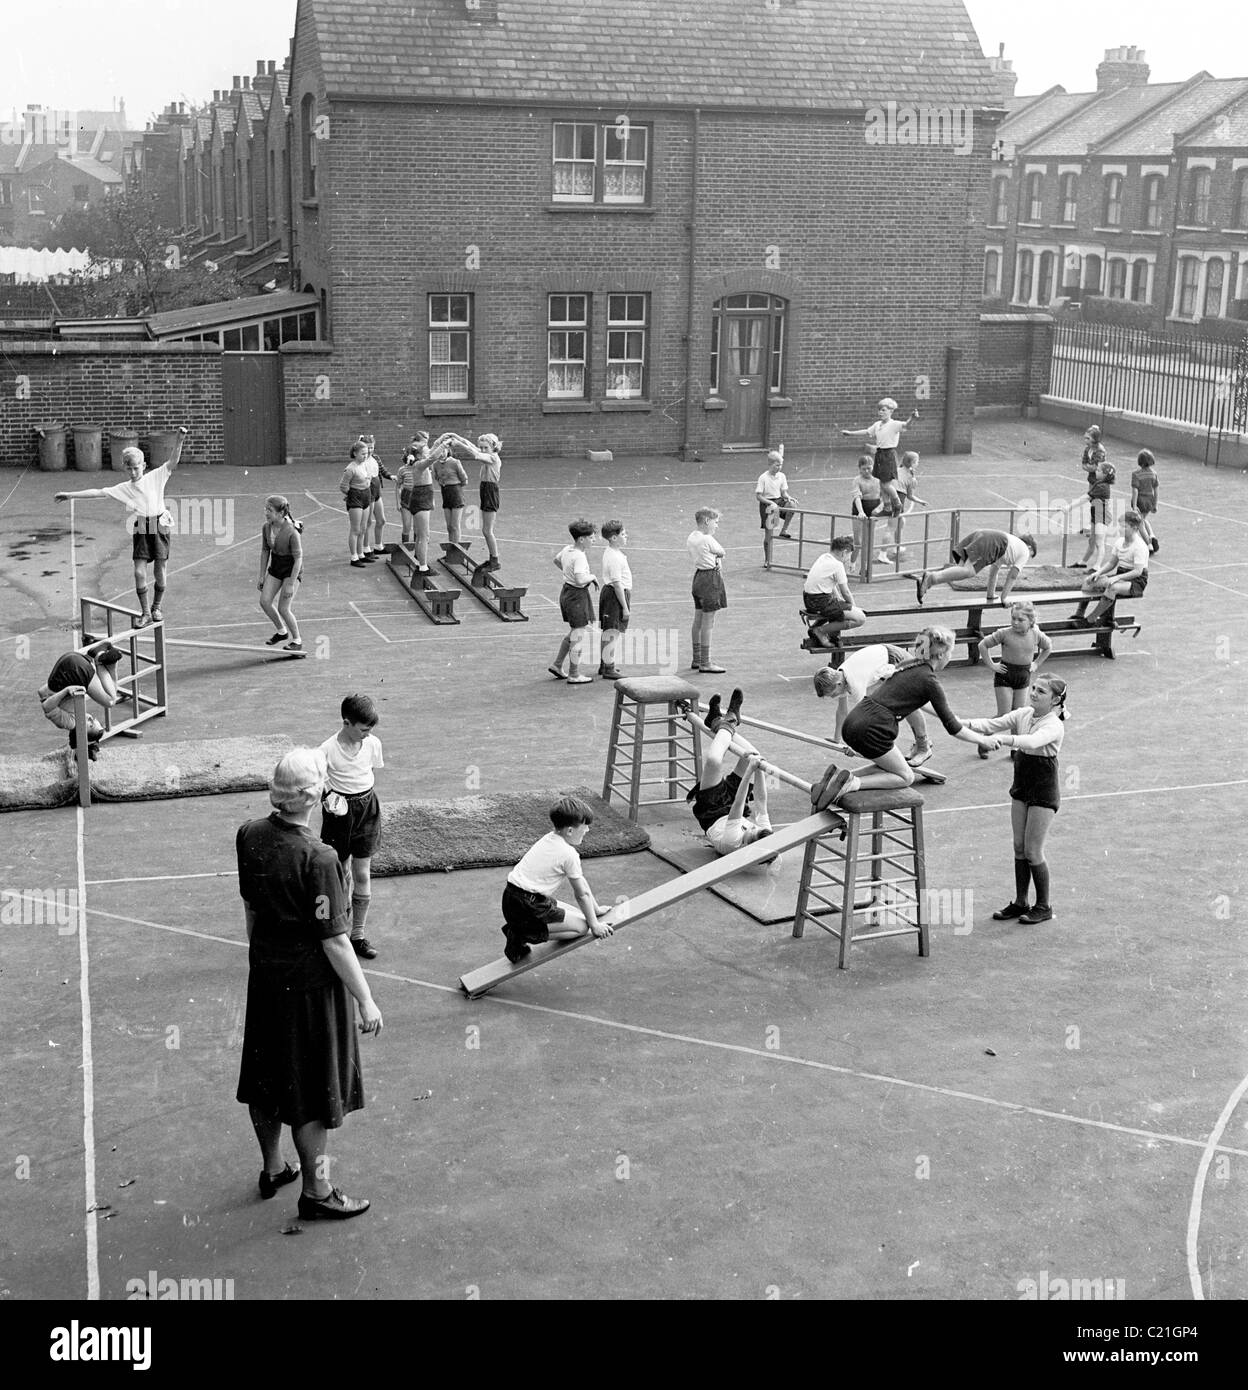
(479, 982)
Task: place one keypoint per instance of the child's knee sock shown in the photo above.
(1022, 881)
(1040, 872)
(141, 590)
(359, 913)
(158, 595)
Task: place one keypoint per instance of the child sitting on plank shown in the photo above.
(530, 911)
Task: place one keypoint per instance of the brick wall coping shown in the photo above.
(1035, 317)
(67, 348)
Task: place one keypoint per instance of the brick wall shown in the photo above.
(1015, 359)
(145, 387)
(320, 427)
(877, 293)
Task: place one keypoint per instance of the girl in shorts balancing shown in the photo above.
(281, 571)
(414, 483)
(1024, 648)
(871, 727)
(576, 601)
(709, 595)
(450, 477)
(487, 451)
(1034, 733)
(356, 488)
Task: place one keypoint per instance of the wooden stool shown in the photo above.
(627, 757)
(830, 870)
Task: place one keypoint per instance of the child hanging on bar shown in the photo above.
(720, 801)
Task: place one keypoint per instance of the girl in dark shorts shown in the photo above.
(1024, 648)
(356, 487)
(1034, 733)
(281, 570)
(450, 477)
(576, 601)
(415, 488)
(870, 729)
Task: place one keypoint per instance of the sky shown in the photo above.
(87, 53)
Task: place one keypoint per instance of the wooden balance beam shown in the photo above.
(501, 599)
(437, 604)
(269, 653)
(929, 774)
(479, 982)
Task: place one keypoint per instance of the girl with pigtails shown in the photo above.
(281, 571)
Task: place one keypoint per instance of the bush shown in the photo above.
(1124, 312)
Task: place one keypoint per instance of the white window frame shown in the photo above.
(441, 344)
(605, 133)
(618, 364)
(564, 327)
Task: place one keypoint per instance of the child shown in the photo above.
(885, 434)
(719, 801)
(356, 488)
(1092, 447)
(91, 671)
(864, 500)
(616, 597)
(414, 484)
(350, 813)
(1123, 575)
(488, 452)
(281, 570)
(449, 474)
(576, 603)
(1023, 649)
(529, 908)
(377, 509)
(825, 593)
(870, 729)
(1144, 496)
(979, 550)
(772, 491)
(907, 475)
(709, 595)
(857, 676)
(1099, 491)
(1034, 732)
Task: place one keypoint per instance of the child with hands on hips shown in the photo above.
(1024, 648)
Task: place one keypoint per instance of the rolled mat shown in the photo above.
(482, 832)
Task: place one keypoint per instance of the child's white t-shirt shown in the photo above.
(546, 865)
(825, 576)
(704, 550)
(575, 565)
(615, 568)
(863, 668)
(885, 434)
(773, 486)
(352, 772)
(146, 497)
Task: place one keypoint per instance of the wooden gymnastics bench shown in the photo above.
(501, 599)
(971, 632)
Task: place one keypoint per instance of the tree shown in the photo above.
(137, 266)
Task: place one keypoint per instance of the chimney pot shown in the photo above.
(238, 82)
(273, 65)
(247, 84)
(259, 67)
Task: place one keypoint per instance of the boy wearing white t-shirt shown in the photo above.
(616, 599)
(530, 911)
(825, 593)
(350, 812)
(772, 491)
(856, 675)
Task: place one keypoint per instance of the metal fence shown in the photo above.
(1195, 381)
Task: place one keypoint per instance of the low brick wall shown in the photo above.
(1015, 357)
(145, 387)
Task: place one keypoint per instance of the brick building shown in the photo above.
(1136, 192)
(699, 223)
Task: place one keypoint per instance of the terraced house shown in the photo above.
(653, 226)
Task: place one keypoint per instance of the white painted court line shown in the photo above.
(1200, 579)
(639, 1030)
(84, 999)
(15, 487)
(363, 619)
(1212, 1146)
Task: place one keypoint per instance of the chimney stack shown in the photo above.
(246, 83)
(1003, 69)
(273, 66)
(238, 82)
(1123, 67)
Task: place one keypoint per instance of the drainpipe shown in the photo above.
(686, 449)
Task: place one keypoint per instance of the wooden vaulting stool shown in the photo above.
(644, 705)
(886, 858)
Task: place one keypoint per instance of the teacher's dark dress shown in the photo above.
(301, 1058)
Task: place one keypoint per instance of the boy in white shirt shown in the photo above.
(825, 592)
(860, 672)
(616, 596)
(885, 434)
(350, 812)
(150, 524)
(709, 595)
(530, 911)
(576, 603)
(772, 491)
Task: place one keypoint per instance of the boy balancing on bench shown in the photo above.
(977, 550)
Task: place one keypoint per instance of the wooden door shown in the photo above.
(251, 388)
(744, 377)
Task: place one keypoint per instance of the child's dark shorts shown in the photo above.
(1014, 677)
(713, 803)
(452, 496)
(1138, 584)
(824, 605)
(489, 497)
(869, 729)
(374, 487)
(149, 541)
(870, 505)
(1035, 781)
(610, 614)
(359, 499)
(356, 833)
(885, 467)
(576, 606)
(1146, 506)
(709, 594)
(529, 916)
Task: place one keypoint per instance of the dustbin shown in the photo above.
(162, 446)
(51, 447)
(117, 441)
(88, 448)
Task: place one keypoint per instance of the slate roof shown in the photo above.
(1086, 129)
(1036, 114)
(803, 54)
(1226, 130)
(1156, 134)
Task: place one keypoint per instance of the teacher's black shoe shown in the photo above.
(336, 1207)
(269, 1186)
